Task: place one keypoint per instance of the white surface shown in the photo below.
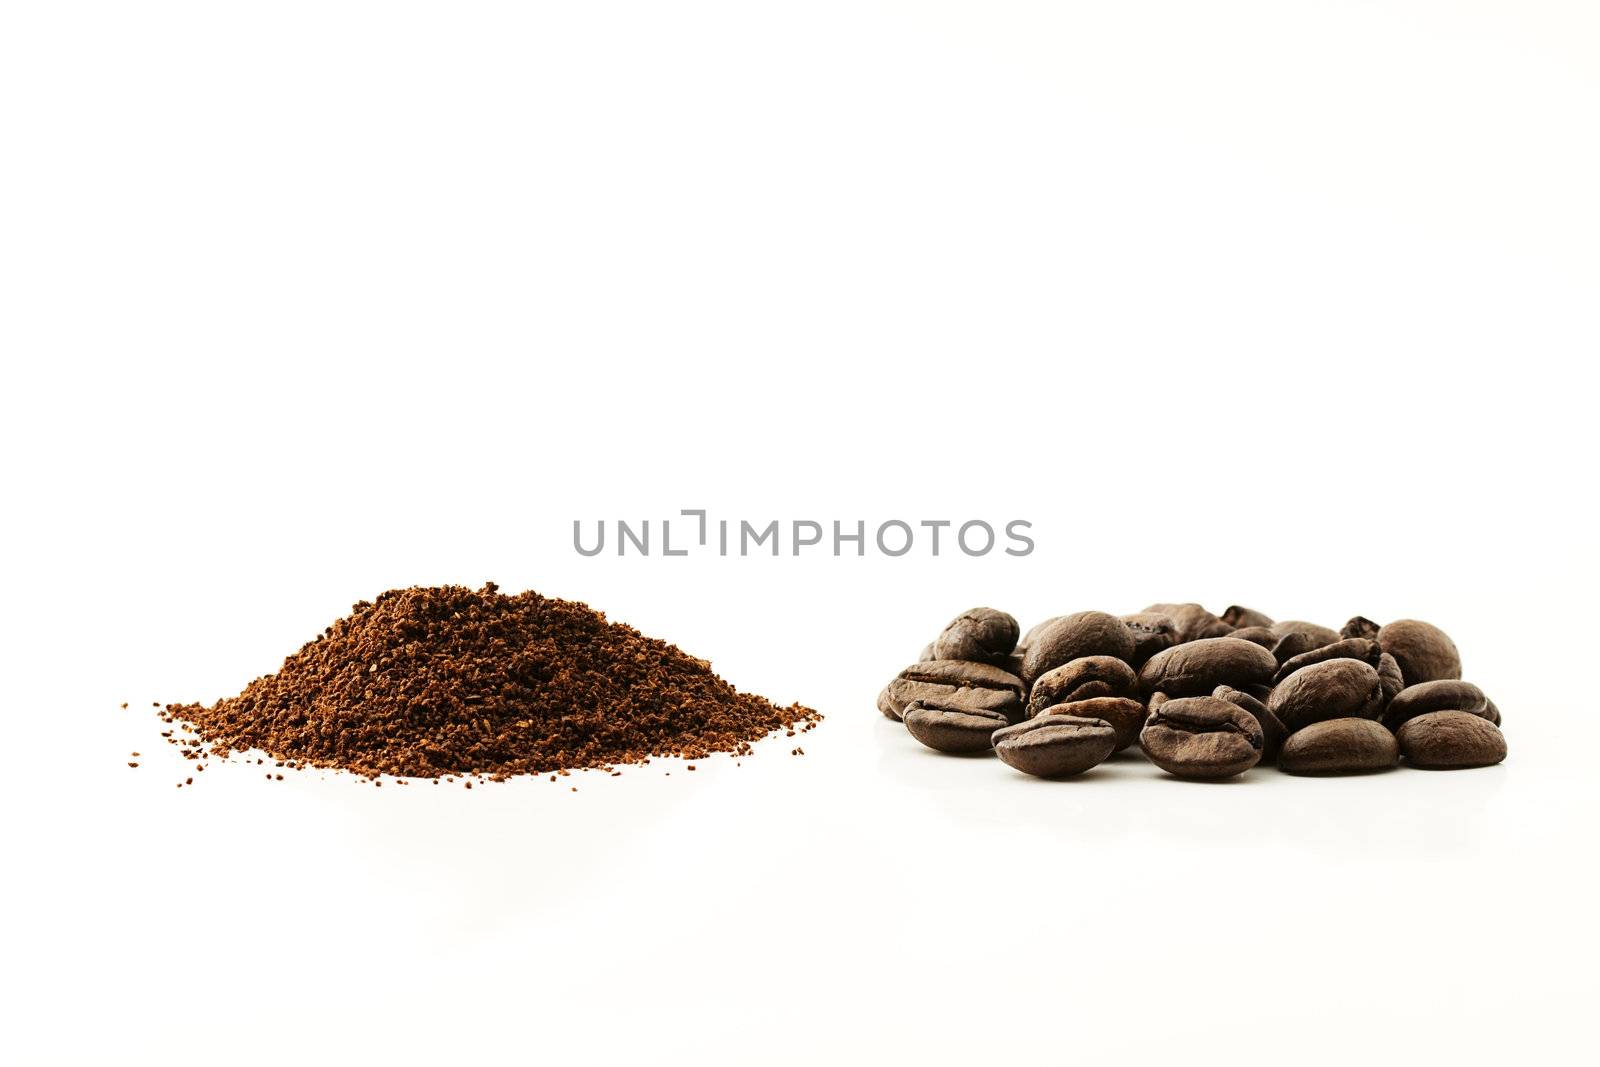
(1277, 304)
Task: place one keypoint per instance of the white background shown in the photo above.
(1276, 303)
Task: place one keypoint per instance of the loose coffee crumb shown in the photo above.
(425, 682)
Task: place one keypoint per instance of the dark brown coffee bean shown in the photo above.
(1035, 630)
(1256, 635)
(1323, 635)
(1070, 637)
(1198, 667)
(1450, 740)
(886, 705)
(1091, 676)
(1152, 633)
(958, 683)
(1245, 618)
(1425, 652)
(1055, 746)
(1446, 694)
(1295, 644)
(956, 730)
(1273, 732)
(1360, 627)
(1337, 689)
(1202, 737)
(1492, 713)
(1389, 674)
(1340, 746)
(982, 635)
(1351, 648)
(1193, 621)
(1125, 715)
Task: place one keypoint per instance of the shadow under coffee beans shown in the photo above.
(427, 682)
(1206, 696)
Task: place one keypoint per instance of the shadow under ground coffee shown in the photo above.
(455, 681)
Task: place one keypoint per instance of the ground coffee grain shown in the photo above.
(425, 682)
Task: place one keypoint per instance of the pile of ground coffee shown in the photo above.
(455, 681)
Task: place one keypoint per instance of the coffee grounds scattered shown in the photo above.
(429, 682)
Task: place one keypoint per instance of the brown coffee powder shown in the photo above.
(426, 682)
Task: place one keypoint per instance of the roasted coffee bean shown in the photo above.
(1152, 633)
(886, 705)
(1055, 746)
(1389, 675)
(1193, 621)
(1205, 696)
(1273, 732)
(1031, 637)
(1360, 627)
(1202, 737)
(982, 635)
(1446, 694)
(1070, 637)
(1295, 644)
(1256, 635)
(957, 683)
(926, 654)
(1198, 667)
(954, 729)
(1245, 618)
(1337, 689)
(1449, 740)
(1036, 629)
(1340, 746)
(1425, 652)
(1091, 676)
(1351, 648)
(1125, 715)
(1323, 635)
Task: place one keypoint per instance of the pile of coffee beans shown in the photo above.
(429, 682)
(1204, 696)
